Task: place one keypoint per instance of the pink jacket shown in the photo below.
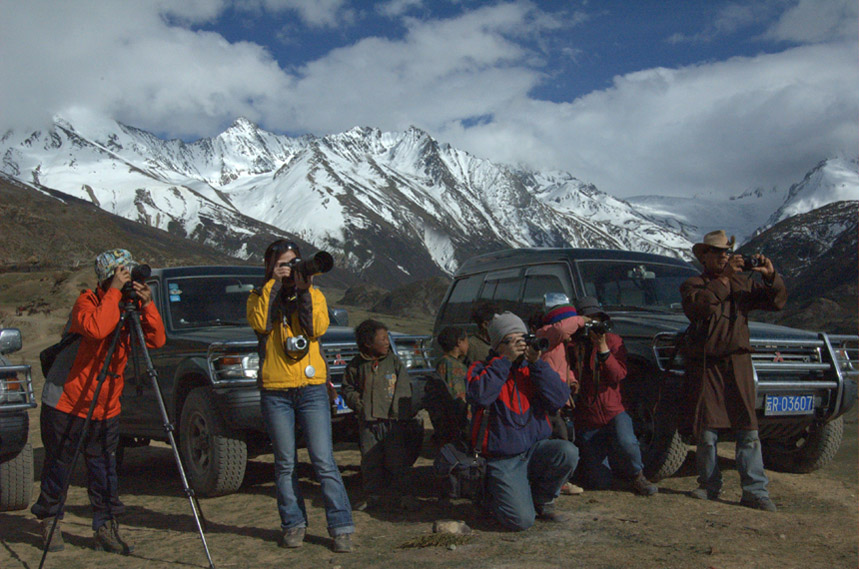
(556, 356)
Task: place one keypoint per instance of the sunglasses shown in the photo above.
(719, 251)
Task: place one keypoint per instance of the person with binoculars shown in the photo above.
(289, 316)
(605, 434)
(512, 393)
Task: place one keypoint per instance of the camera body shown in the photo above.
(295, 344)
(750, 262)
(139, 273)
(539, 344)
(598, 326)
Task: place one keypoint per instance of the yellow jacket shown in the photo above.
(307, 316)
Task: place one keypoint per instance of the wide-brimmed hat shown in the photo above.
(717, 239)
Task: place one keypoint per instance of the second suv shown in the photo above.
(805, 380)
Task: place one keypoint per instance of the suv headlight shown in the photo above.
(842, 358)
(412, 356)
(12, 391)
(234, 367)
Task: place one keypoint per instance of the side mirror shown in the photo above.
(10, 340)
(551, 299)
(338, 316)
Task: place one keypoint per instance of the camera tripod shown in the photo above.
(130, 318)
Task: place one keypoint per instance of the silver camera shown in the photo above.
(295, 344)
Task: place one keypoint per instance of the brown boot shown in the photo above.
(56, 543)
(642, 486)
(107, 538)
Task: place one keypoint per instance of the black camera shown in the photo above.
(321, 262)
(750, 262)
(539, 344)
(599, 327)
(139, 273)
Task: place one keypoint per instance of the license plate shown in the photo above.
(340, 406)
(789, 405)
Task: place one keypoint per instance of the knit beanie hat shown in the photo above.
(503, 324)
(107, 262)
(559, 313)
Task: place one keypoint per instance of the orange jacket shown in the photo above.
(95, 316)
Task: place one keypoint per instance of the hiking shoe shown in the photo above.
(642, 486)
(56, 543)
(570, 489)
(371, 502)
(107, 538)
(547, 513)
(342, 543)
(702, 493)
(292, 537)
(758, 503)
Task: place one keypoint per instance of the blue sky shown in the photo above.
(637, 97)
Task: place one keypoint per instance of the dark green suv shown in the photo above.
(16, 399)
(805, 380)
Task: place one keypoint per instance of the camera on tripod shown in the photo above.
(321, 262)
(539, 344)
(139, 273)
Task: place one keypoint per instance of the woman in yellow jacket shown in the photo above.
(289, 316)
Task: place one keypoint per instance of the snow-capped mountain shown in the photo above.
(399, 206)
(753, 211)
(832, 180)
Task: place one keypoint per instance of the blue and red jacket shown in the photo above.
(519, 399)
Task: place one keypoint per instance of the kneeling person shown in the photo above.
(605, 433)
(525, 467)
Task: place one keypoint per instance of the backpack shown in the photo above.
(56, 362)
(462, 469)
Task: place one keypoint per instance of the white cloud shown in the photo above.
(719, 128)
(812, 21)
(714, 127)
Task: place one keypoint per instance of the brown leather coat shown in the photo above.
(719, 388)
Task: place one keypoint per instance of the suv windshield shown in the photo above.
(627, 284)
(209, 300)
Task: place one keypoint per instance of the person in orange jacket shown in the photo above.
(95, 316)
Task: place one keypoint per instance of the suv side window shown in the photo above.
(542, 279)
(502, 288)
(462, 296)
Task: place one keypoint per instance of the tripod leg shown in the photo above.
(85, 429)
(139, 341)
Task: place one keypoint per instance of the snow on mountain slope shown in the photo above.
(392, 207)
(833, 180)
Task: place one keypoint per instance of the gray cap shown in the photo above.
(503, 324)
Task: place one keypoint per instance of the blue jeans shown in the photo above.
(519, 486)
(613, 447)
(750, 463)
(310, 405)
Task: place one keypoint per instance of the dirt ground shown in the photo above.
(817, 524)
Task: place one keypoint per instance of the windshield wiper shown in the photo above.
(650, 308)
(219, 322)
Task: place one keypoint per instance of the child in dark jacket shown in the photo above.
(377, 387)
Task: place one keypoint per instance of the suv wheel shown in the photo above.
(16, 480)
(214, 455)
(813, 448)
(662, 449)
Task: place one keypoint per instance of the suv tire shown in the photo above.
(16, 480)
(214, 455)
(810, 450)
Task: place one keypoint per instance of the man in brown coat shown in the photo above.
(719, 373)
